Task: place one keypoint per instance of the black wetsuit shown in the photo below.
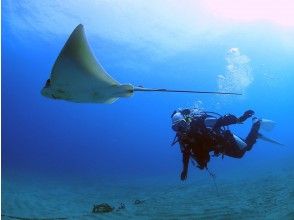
(199, 141)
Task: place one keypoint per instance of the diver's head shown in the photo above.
(179, 123)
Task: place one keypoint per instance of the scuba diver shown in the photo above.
(199, 133)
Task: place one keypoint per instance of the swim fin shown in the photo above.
(264, 138)
(267, 124)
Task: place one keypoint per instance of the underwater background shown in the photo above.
(61, 158)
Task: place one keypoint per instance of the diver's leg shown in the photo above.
(230, 119)
(231, 147)
(234, 151)
(253, 134)
(224, 121)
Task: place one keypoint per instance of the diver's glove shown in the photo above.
(183, 175)
(246, 115)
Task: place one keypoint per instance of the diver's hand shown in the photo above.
(183, 175)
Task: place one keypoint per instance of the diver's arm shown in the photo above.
(186, 158)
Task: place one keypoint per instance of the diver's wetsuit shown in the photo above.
(199, 141)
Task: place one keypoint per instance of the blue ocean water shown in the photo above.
(130, 140)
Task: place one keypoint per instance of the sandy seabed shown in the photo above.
(270, 196)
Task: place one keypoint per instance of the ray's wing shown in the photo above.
(77, 76)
